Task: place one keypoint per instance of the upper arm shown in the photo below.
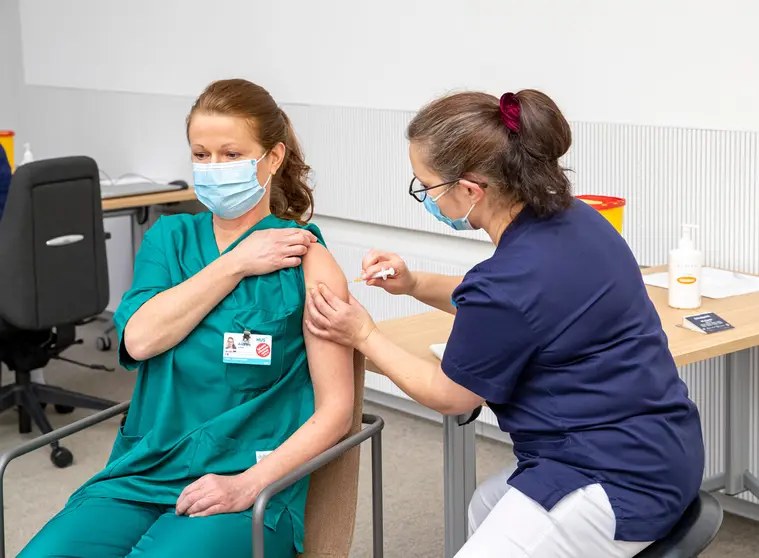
(491, 343)
(151, 277)
(331, 365)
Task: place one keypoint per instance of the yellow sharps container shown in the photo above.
(6, 140)
(611, 208)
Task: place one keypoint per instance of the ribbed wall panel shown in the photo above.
(675, 176)
(361, 166)
(706, 385)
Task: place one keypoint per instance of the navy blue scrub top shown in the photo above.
(5, 179)
(557, 332)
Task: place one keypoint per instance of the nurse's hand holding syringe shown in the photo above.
(432, 289)
(376, 268)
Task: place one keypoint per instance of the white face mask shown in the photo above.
(462, 224)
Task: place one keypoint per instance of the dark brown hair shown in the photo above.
(465, 133)
(291, 197)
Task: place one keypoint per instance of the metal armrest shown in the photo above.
(375, 425)
(44, 440)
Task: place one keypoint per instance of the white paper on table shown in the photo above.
(438, 350)
(715, 283)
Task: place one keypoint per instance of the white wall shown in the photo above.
(11, 74)
(672, 63)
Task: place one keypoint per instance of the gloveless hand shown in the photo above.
(214, 494)
(402, 283)
(270, 250)
(328, 317)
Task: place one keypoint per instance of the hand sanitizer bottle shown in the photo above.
(685, 263)
(28, 157)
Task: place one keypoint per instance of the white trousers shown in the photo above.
(504, 523)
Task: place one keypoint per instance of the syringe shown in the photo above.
(384, 274)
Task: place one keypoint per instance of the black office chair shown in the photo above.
(53, 277)
(693, 533)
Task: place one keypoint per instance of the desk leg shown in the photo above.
(138, 231)
(460, 479)
(737, 377)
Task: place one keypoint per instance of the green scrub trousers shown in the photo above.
(192, 414)
(108, 528)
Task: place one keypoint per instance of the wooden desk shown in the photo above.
(688, 346)
(146, 200)
(417, 333)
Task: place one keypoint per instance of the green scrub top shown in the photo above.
(192, 414)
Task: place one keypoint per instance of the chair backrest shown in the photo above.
(53, 268)
(693, 533)
(333, 491)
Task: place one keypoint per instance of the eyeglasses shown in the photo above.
(420, 193)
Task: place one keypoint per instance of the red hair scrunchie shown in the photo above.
(510, 111)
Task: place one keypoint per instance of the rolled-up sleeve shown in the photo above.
(491, 342)
(151, 277)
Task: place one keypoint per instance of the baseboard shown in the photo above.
(736, 506)
(410, 407)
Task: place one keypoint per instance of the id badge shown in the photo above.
(247, 348)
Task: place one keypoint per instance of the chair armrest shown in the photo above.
(375, 424)
(44, 440)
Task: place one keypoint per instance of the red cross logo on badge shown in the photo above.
(263, 350)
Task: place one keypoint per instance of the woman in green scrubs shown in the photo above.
(208, 427)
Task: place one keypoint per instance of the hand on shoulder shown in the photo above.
(270, 250)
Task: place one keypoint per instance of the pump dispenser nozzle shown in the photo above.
(686, 237)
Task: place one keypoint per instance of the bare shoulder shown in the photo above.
(319, 266)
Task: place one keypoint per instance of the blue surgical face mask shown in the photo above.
(229, 190)
(462, 224)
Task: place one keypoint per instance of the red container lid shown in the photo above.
(7, 134)
(602, 202)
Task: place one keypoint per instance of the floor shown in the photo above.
(413, 472)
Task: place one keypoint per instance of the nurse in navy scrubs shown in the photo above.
(5, 179)
(555, 332)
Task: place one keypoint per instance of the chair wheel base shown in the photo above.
(103, 343)
(61, 457)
